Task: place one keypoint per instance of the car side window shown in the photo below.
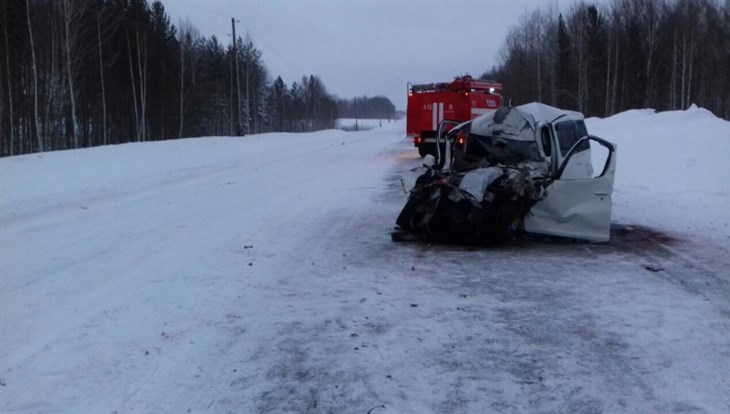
(569, 132)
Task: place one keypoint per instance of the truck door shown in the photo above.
(577, 207)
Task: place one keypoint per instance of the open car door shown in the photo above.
(577, 207)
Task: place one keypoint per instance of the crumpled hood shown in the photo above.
(507, 122)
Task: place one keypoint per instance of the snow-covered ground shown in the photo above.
(257, 274)
(673, 169)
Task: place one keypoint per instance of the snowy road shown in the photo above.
(257, 275)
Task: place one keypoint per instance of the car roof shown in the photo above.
(519, 122)
(546, 113)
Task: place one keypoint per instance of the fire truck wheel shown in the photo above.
(423, 151)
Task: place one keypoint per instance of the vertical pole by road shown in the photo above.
(230, 97)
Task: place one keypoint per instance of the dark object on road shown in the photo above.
(479, 206)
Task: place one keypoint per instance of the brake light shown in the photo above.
(417, 140)
(461, 141)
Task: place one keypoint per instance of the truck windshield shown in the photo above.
(500, 150)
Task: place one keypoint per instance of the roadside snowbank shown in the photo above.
(673, 170)
(33, 182)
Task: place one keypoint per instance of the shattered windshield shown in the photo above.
(500, 150)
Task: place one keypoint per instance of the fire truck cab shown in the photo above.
(461, 100)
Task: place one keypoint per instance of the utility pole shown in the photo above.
(230, 97)
(356, 126)
(248, 102)
(238, 81)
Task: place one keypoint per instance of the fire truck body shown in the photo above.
(461, 100)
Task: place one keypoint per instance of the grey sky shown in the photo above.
(364, 47)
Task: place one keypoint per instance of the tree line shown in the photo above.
(378, 107)
(608, 57)
(81, 73)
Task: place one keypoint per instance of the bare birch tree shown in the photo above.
(188, 40)
(39, 141)
(142, 68)
(137, 128)
(104, 129)
(11, 132)
(73, 30)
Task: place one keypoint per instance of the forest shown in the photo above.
(82, 73)
(378, 107)
(608, 57)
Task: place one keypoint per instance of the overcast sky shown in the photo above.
(364, 47)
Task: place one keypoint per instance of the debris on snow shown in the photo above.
(653, 268)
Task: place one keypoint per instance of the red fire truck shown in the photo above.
(461, 100)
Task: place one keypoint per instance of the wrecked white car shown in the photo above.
(527, 168)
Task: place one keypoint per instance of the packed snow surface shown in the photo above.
(257, 275)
